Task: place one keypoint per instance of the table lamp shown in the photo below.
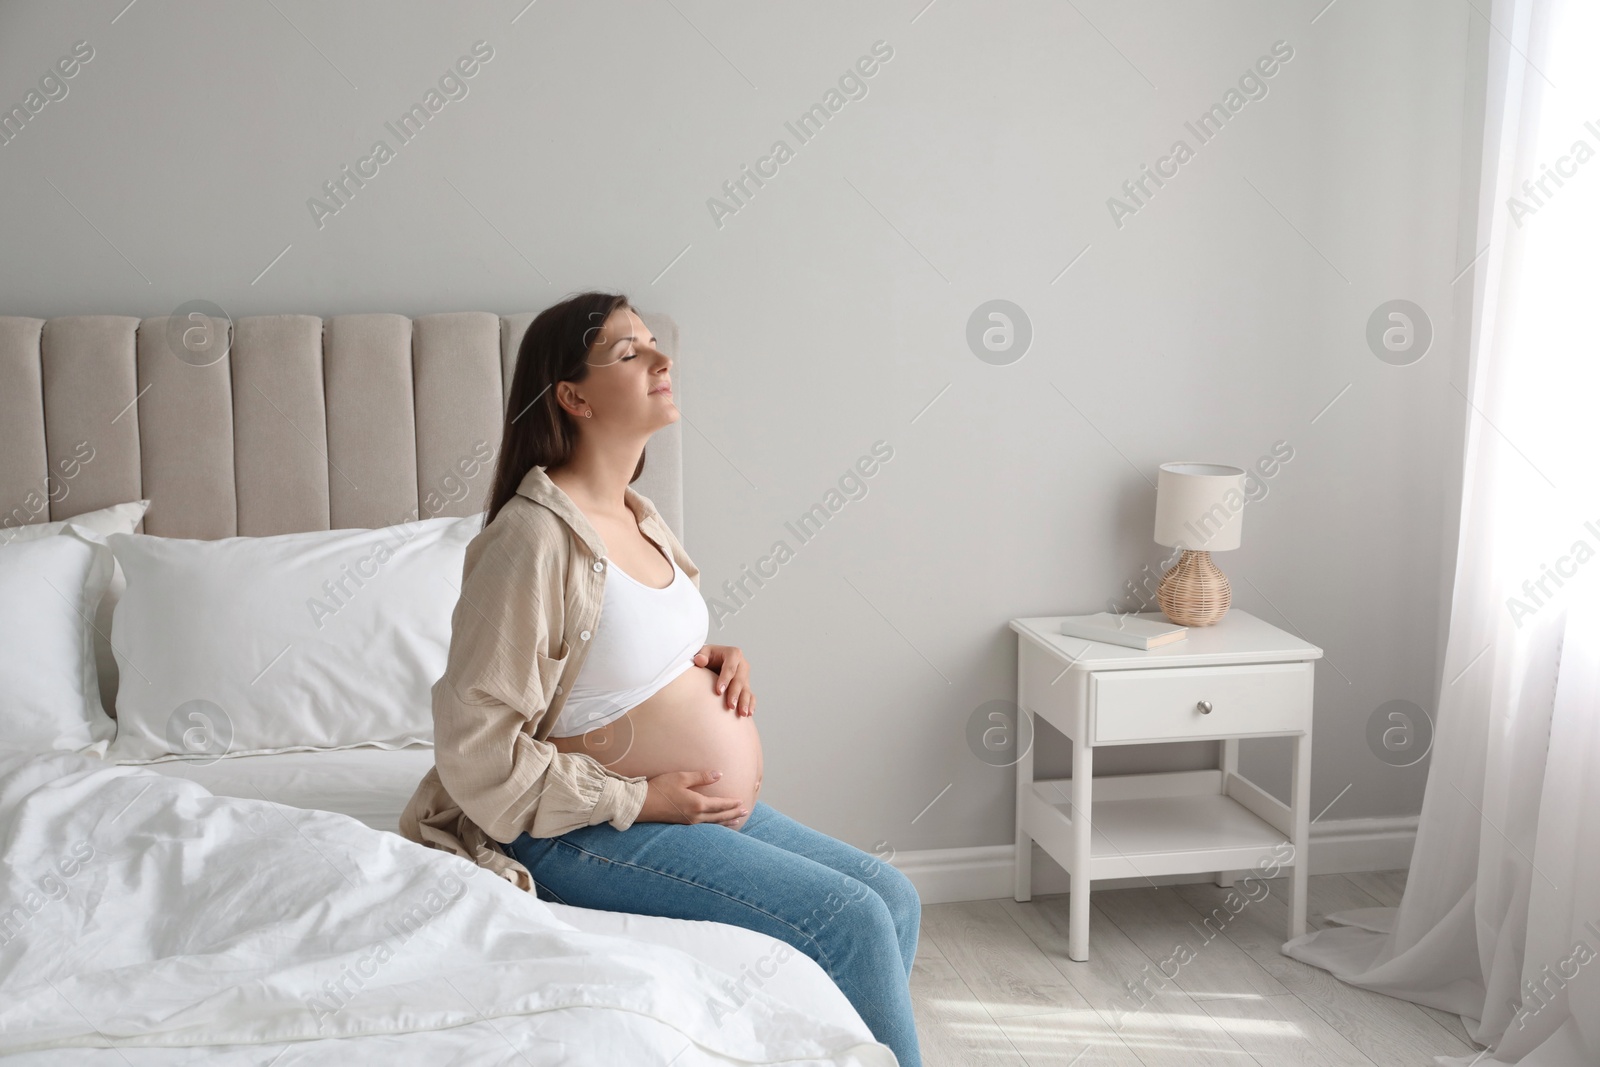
(1199, 508)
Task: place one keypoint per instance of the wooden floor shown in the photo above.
(993, 985)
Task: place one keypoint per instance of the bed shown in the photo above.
(287, 424)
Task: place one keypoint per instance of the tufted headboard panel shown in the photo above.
(298, 423)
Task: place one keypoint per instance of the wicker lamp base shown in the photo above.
(1194, 592)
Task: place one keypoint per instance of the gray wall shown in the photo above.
(830, 312)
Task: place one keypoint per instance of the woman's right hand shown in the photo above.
(672, 797)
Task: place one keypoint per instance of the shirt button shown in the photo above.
(599, 566)
(584, 636)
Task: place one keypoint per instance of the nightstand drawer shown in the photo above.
(1161, 704)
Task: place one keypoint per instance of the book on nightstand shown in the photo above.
(1127, 630)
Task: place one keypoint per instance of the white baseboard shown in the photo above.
(984, 872)
(1344, 846)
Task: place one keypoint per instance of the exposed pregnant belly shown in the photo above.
(682, 727)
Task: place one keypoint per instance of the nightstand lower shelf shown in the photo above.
(1144, 838)
(1147, 825)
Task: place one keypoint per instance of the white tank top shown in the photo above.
(645, 638)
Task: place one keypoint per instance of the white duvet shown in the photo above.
(144, 920)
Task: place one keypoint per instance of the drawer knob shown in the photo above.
(1204, 707)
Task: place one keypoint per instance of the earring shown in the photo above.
(589, 414)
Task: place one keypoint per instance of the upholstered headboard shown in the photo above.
(299, 424)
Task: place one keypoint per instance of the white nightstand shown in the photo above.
(1239, 678)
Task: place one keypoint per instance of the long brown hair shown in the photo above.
(538, 432)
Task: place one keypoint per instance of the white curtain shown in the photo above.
(1500, 921)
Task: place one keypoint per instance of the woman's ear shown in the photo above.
(568, 399)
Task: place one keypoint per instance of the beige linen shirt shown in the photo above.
(531, 590)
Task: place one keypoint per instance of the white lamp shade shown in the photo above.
(1199, 506)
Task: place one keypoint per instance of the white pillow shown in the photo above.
(247, 645)
(49, 695)
(119, 518)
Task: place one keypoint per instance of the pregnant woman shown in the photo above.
(589, 745)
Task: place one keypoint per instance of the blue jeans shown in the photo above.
(853, 913)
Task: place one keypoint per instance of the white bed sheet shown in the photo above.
(194, 929)
(369, 784)
(373, 786)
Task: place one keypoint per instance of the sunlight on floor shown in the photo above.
(998, 995)
(1135, 1024)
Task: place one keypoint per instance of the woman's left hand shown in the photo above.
(733, 681)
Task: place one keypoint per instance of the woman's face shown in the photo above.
(628, 387)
